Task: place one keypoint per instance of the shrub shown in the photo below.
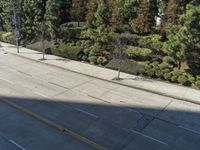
(38, 46)
(167, 76)
(159, 73)
(169, 60)
(1, 35)
(138, 53)
(127, 66)
(66, 50)
(182, 79)
(7, 37)
(197, 83)
(92, 59)
(191, 78)
(151, 72)
(154, 64)
(84, 58)
(71, 33)
(175, 75)
(164, 66)
(166, 70)
(174, 78)
(101, 60)
(153, 42)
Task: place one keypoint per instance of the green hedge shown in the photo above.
(127, 66)
(68, 51)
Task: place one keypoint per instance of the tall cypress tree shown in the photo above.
(78, 10)
(174, 9)
(117, 17)
(102, 14)
(130, 10)
(145, 20)
(91, 9)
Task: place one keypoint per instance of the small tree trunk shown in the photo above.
(119, 70)
(179, 64)
(17, 41)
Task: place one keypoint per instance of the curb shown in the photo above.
(112, 81)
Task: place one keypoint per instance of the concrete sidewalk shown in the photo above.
(154, 86)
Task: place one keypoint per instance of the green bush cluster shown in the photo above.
(157, 70)
(38, 46)
(127, 66)
(169, 60)
(7, 37)
(138, 53)
(70, 51)
(167, 72)
(71, 33)
(153, 42)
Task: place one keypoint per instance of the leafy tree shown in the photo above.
(53, 18)
(145, 20)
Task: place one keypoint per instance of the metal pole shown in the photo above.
(16, 27)
(43, 32)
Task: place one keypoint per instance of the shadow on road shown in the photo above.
(116, 127)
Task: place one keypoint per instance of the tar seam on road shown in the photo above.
(12, 142)
(87, 113)
(149, 137)
(17, 145)
(54, 124)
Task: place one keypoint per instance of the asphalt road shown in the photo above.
(54, 109)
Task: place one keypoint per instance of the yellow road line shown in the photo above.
(54, 124)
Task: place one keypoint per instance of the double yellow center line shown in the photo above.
(54, 124)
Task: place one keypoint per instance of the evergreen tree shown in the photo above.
(91, 9)
(102, 14)
(116, 8)
(53, 18)
(6, 12)
(130, 10)
(183, 39)
(78, 10)
(31, 18)
(174, 8)
(145, 20)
